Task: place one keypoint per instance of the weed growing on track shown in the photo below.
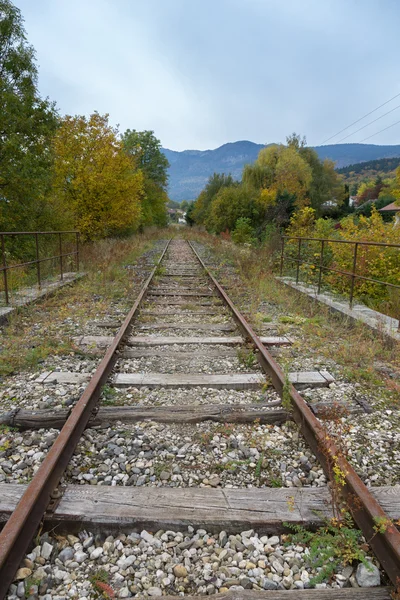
(338, 542)
(247, 358)
(332, 546)
(286, 398)
(100, 582)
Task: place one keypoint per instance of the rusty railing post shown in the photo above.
(298, 262)
(77, 251)
(282, 255)
(38, 261)
(61, 258)
(3, 251)
(321, 260)
(353, 274)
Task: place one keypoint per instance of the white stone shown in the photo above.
(80, 556)
(368, 576)
(96, 553)
(274, 540)
(46, 550)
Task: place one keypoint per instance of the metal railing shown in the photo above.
(319, 264)
(38, 260)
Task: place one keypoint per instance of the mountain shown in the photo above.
(190, 169)
(384, 167)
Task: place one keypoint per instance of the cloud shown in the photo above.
(204, 72)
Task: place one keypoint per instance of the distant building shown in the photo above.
(353, 201)
(392, 207)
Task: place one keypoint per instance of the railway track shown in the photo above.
(189, 379)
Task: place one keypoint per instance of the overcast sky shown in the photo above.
(201, 73)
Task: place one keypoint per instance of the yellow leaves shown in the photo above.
(291, 503)
(291, 173)
(268, 197)
(338, 474)
(95, 180)
(302, 222)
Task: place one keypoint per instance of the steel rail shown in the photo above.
(26, 518)
(366, 511)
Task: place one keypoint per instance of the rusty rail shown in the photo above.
(5, 268)
(365, 509)
(25, 520)
(319, 265)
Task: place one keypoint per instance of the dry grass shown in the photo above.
(38, 331)
(360, 350)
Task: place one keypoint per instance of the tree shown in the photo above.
(203, 203)
(258, 175)
(285, 171)
(149, 158)
(27, 125)
(326, 188)
(243, 232)
(96, 182)
(293, 175)
(230, 204)
(189, 214)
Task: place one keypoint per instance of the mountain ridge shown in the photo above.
(190, 169)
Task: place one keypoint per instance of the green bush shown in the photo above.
(243, 232)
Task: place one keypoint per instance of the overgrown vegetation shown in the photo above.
(283, 179)
(24, 346)
(334, 545)
(338, 542)
(69, 172)
(373, 262)
(289, 190)
(319, 329)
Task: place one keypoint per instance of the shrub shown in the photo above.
(243, 232)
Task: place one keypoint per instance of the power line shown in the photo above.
(370, 136)
(358, 120)
(368, 124)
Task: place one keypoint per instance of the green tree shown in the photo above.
(149, 158)
(243, 232)
(230, 204)
(189, 214)
(202, 205)
(27, 125)
(285, 171)
(326, 186)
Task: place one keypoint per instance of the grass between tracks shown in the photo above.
(45, 328)
(365, 356)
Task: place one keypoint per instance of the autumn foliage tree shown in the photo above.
(96, 184)
(284, 178)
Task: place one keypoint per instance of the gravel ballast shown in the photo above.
(150, 564)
